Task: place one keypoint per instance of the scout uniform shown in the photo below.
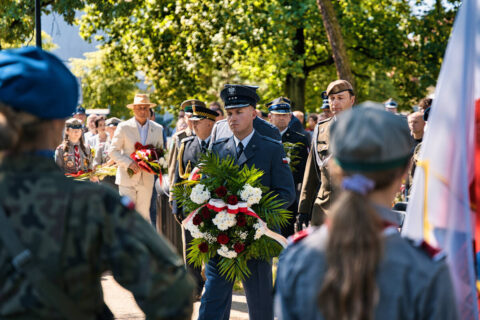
(282, 105)
(73, 158)
(317, 194)
(63, 234)
(412, 277)
(191, 148)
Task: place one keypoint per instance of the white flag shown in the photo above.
(439, 210)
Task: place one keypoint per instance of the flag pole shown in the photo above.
(38, 24)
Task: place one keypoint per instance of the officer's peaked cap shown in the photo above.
(239, 96)
(280, 105)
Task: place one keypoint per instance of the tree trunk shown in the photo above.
(335, 38)
(294, 85)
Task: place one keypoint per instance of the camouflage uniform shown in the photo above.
(65, 159)
(76, 232)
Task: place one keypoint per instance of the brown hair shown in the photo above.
(17, 128)
(353, 252)
(66, 141)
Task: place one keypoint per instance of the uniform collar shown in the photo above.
(207, 141)
(245, 140)
(285, 130)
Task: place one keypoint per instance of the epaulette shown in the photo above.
(299, 236)
(184, 140)
(436, 254)
(221, 140)
(271, 139)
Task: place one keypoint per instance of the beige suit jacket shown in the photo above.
(123, 144)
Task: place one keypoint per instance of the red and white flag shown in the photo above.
(441, 207)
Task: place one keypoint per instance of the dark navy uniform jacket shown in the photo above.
(302, 152)
(267, 155)
(222, 130)
(412, 283)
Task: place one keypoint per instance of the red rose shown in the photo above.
(238, 247)
(203, 247)
(205, 213)
(223, 238)
(241, 221)
(221, 191)
(233, 200)
(197, 219)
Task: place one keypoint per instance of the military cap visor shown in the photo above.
(187, 105)
(200, 113)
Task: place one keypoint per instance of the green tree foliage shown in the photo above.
(104, 84)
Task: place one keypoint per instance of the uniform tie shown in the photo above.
(77, 157)
(204, 146)
(239, 149)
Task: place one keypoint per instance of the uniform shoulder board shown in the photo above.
(436, 254)
(297, 133)
(299, 236)
(184, 140)
(326, 120)
(271, 139)
(221, 140)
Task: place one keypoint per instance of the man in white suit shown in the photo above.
(139, 186)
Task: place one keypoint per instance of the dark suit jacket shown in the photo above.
(302, 152)
(267, 155)
(222, 130)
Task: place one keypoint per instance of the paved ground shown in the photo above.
(123, 306)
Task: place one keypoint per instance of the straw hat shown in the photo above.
(141, 99)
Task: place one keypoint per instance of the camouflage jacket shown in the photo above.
(76, 231)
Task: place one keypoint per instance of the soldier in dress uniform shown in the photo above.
(191, 148)
(73, 155)
(280, 113)
(222, 129)
(316, 195)
(249, 148)
(358, 266)
(58, 236)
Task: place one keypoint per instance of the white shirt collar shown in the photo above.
(245, 140)
(285, 130)
(206, 140)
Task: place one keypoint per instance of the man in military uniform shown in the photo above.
(316, 195)
(280, 114)
(191, 148)
(249, 148)
(222, 129)
(58, 236)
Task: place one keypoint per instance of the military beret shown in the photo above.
(188, 104)
(200, 113)
(112, 122)
(239, 96)
(73, 123)
(338, 86)
(37, 82)
(370, 139)
(280, 105)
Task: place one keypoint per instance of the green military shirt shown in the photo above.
(316, 195)
(77, 231)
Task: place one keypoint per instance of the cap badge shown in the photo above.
(231, 90)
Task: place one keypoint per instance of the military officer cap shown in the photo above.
(73, 123)
(280, 105)
(391, 104)
(325, 104)
(338, 86)
(187, 105)
(112, 122)
(79, 110)
(200, 113)
(37, 82)
(370, 139)
(239, 96)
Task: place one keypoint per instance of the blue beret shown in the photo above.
(279, 105)
(239, 96)
(37, 82)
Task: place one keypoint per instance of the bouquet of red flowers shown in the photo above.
(231, 216)
(150, 159)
